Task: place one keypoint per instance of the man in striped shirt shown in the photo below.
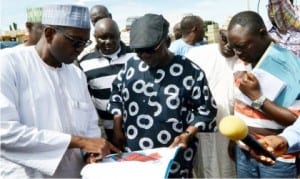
(102, 65)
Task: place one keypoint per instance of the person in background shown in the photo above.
(102, 65)
(248, 37)
(48, 121)
(212, 160)
(177, 31)
(33, 25)
(285, 24)
(159, 99)
(192, 30)
(97, 12)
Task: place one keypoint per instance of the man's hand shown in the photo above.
(181, 140)
(99, 147)
(249, 85)
(277, 145)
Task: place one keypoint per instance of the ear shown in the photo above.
(28, 25)
(263, 32)
(49, 34)
(194, 29)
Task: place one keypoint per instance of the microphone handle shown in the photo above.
(257, 147)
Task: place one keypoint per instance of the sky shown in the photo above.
(215, 10)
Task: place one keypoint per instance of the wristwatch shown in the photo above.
(257, 104)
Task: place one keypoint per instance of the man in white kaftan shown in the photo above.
(212, 160)
(40, 107)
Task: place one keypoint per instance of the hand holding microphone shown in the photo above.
(235, 129)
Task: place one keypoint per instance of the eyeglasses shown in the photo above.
(75, 42)
(223, 38)
(239, 48)
(150, 50)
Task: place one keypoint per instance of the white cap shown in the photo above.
(66, 15)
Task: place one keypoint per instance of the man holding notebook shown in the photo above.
(248, 37)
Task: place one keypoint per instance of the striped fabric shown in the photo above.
(257, 119)
(100, 72)
(287, 19)
(284, 15)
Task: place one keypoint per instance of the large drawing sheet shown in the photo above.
(285, 66)
(150, 163)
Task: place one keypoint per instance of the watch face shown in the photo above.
(257, 104)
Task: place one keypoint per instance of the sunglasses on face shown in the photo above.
(150, 50)
(75, 42)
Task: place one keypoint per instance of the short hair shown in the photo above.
(249, 19)
(101, 9)
(188, 22)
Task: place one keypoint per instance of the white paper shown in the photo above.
(151, 163)
(270, 86)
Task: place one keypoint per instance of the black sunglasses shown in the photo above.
(150, 50)
(75, 42)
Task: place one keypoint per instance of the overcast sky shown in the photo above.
(216, 10)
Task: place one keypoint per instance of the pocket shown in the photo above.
(81, 113)
(80, 105)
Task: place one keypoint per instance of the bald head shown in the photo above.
(98, 12)
(107, 34)
(107, 24)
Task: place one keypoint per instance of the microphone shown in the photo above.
(234, 128)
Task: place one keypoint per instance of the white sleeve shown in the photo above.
(22, 143)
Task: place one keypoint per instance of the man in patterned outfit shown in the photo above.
(159, 99)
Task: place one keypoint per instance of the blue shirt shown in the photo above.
(292, 135)
(179, 47)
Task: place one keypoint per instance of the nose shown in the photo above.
(237, 51)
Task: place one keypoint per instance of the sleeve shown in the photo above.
(23, 144)
(202, 104)
(284, 15)
(115, 104)
(292, 135)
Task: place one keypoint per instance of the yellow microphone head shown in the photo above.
(233, 127)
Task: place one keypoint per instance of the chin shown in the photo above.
(69, 61)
